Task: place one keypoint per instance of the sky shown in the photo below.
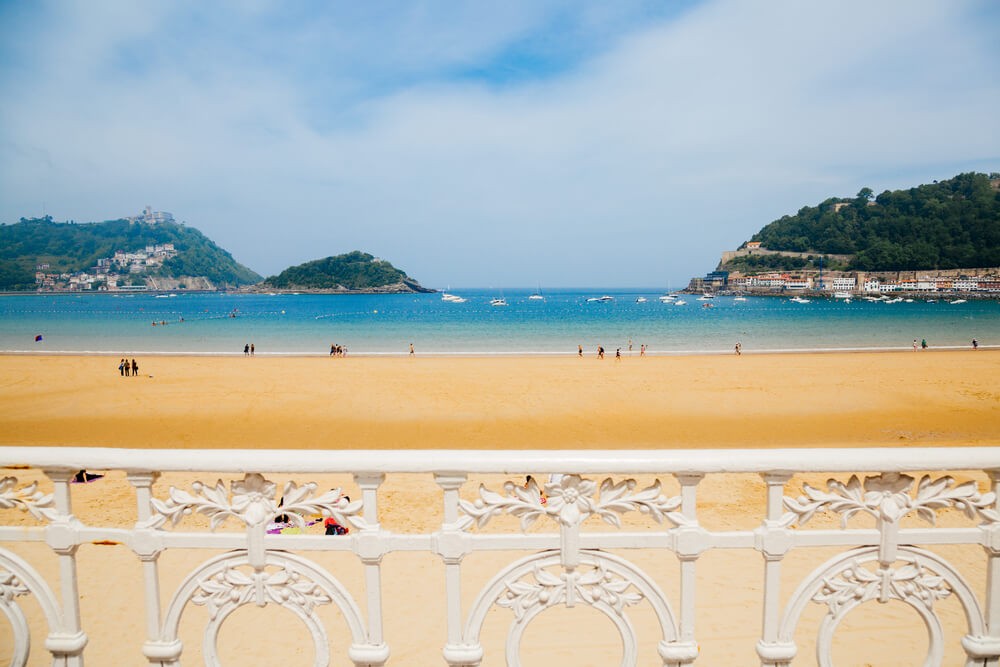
(546, 143)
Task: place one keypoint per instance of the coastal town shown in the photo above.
(124, 271)
(976, 283)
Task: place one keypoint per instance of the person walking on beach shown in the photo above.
(411, 349)
(135, 369)
(975, 344)
(251, 349)
(600, 351)
(923, 343)
(914, 344)
(618, 354)
(246, 349)
(642, 350)
(739, 348)
(579, 351)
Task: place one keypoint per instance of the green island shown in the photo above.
(351, 272)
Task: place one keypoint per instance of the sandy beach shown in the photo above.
(789, 400)
(792, 400)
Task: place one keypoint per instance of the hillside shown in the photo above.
(951, 224)
(353, 272)
(63, 247)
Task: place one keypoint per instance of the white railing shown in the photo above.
(564, 564)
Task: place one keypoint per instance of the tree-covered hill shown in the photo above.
(353, 271)
(951, 224)
(70, 247)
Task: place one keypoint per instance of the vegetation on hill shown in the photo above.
(952, 224)
(69, 247)
(351, 271)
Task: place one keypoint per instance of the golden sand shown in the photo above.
(860, 399)
(792, 400)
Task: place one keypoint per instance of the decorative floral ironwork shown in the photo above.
(254, 503)
(592, 587)
(11, 587)
(910, 583)
(232, 587)
(887, 498)
(28, 499)
(570, 502)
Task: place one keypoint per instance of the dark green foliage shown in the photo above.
(77, 247)
(354, 270)
(948, 225)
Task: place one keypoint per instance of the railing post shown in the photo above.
(450, 545)
(689, 543)
(62, 535)
(773, 542)
(371, 548)
(146, 544)
(986, 650)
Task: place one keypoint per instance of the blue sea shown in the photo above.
(307, 324)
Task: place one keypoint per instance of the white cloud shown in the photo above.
(637, 165)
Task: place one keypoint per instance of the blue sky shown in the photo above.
(550, 143)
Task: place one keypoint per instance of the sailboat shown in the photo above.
(537, 296)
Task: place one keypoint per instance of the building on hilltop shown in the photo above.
(151, 217)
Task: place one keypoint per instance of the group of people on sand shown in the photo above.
(923, 344)
(337, 350)
(127, 368)
(618, 351)
(248, 350)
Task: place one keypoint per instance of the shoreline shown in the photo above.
(540, 354)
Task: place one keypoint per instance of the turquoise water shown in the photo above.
(387, 324)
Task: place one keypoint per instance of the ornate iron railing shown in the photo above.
(564, 564)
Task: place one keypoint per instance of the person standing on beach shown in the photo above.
(975, 344)
(739, 348)
(246, 349)
(600, 351)
(579, 350)
(923, 343)
(128, 368)
(630, 345)
(121, 367)
(251, 349)
(914, 344)
(135, 369)
(411, 349)
(642, 350)
(618, 354)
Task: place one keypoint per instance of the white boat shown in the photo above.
(452, 297)
(799, 299)
(908, 300)
(680, 302)
(841, 295)
(600, 298)
(536, 297)
(740, 298)
(957, 301)
(898, 299)
(668, 297)
(641, 299)
(706, 297)
(498, 302)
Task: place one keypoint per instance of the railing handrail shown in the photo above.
(506, 461)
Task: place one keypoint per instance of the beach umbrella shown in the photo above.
(38, 338)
